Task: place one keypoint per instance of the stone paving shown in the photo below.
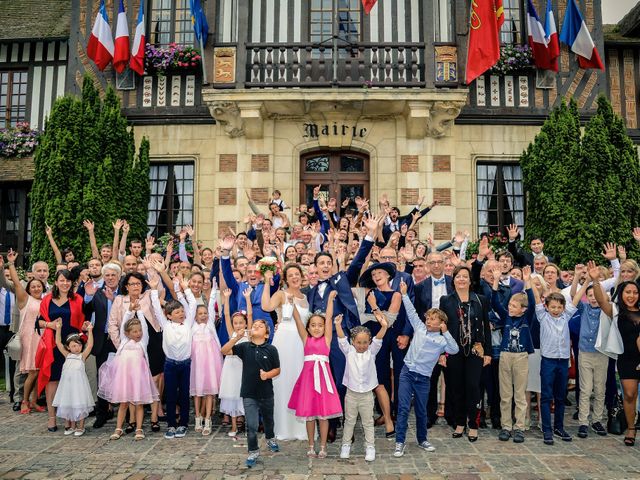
(28, 451)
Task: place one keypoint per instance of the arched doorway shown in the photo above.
(342, 174)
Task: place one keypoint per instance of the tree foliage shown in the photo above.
(84, 168)
(583, 189)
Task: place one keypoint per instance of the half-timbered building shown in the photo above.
(297, 93)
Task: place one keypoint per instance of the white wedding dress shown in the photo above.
(291, 352)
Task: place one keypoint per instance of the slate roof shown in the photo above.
(34, 19)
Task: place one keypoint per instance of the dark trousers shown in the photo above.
(464, 375)
(491, 384)
(554, 373)
(575, 339)
(432, 405)
(253, 408)
(412, 386)
(612, 385)
(177, 375)
(102, 406)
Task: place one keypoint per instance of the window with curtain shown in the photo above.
(171, 200)
(500, 196)
(512, 29)
(444, 29)
(13, 97)
(171, 23)
(321, 21)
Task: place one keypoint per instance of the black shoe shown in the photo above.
(391, 434)
(504, 436)
(16, 407)
(562, 433)
(547, 438)
(583, 431)
(599, 429)
(100, 421)
(472, 438)
(455, 434)
(518, 436)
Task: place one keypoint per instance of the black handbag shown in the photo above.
(617, 422)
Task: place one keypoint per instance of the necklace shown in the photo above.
(464, 310)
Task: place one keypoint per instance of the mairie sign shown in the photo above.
(313, 130)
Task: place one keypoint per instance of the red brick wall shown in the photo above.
(228, 162)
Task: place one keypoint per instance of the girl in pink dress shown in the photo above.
(126, 378)
(206, 365)
(314, 396)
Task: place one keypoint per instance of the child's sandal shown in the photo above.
(323, 452)
(117, 433)
(139, 434)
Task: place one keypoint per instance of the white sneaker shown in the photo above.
(370, 454)
(232, 433)
(345, 451)
(399, 451)
(199, 422)
(427, 446)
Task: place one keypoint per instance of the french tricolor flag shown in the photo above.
(551, 34)
(576, 35)
(137, 50)
(538, 40)
(121, 56)
(100, 47)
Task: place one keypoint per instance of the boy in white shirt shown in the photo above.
(360, 378)
(176, 343)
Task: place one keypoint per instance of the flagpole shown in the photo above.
(204, 65)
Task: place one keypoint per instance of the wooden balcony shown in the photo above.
(363, 65)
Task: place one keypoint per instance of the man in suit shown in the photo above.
(97, 308)
(252, 281)
(394, 220)
(521, 257)
(344, 303)
(427, 295)
(505, 260)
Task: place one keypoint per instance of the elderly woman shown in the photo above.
(134, 287)
(28, 299)
(468, 322)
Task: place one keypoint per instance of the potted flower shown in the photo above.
(19, 141)
(513, 58)
(173, 58)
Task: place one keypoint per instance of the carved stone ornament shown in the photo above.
(227, 114)
(441, 117)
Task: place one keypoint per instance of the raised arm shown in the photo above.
(88, 224)
(21, 294)
(269, 303)
(328, 322)
(122, 250)
(226, 297)
(89, 346)
(117, 225)
(601, 297)
(54, 246)
(412, 315)
(302, 331)
(59, 344)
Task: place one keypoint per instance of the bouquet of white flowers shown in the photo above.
(268, 263)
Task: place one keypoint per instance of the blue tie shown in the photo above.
(7, 307)
(438, 282)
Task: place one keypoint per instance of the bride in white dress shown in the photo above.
(290, 349)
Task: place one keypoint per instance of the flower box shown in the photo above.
(513, 58)
(172, 59)
(19, 141)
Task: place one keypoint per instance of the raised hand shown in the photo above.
(89, 225)
(90, 288)
(11, 256)
(126, 227)
(497, 273)
(228, 242)
(226, 293)
(345, 203)
(48, 230)
(382, 319)
(526, 273)
(403, 288)
(316, 191)
(338, 320)
(484, 250)
(332, 296)
(622, 253)
(190, 231)
(594, 270)
(109, 293)
(117, 225)
(150, 242)
(610, 251)
(372, 225)
(154, 282)
(636, 234)
(134, 306)
(512, 232)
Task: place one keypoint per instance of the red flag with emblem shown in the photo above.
(484, 40)
(368, 5)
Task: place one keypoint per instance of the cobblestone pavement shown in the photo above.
(28, 451)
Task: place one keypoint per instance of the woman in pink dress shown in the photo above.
(314, 396)
(28, 299)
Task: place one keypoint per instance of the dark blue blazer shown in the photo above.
(342, 282)
(423, 292)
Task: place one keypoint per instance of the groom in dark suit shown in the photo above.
(428, 294)
(344, 303)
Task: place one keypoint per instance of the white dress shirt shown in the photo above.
(437, 291)
(360, 370)
(176, 337)
(554, 332)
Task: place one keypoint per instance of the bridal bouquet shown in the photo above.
(268, 263)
